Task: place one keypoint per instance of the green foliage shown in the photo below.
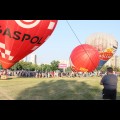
(17, 66)
(54, 65)
(68, 69)
(104, 68)
(21, 65)
(1, 67)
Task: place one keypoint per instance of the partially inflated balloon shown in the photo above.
(19, 38)
(84, 58)
(106, 45)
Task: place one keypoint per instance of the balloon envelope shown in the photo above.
(106, 45)
(19, 38)
(84, 58)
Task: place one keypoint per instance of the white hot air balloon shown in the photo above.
(105, 43)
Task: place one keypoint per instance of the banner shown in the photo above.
(62, 66)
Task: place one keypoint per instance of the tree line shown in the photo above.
(53, 66)
(29, 66)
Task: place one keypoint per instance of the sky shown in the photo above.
(62, 41)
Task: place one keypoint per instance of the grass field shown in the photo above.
(84, 88)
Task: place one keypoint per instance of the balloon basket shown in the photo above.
(4, 77)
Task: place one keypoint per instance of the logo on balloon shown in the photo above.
(27, 23)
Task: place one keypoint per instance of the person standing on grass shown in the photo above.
(109, 82)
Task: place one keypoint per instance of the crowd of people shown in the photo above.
(38, 74)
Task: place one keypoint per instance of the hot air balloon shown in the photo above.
(84, 58)
(106, 44)
(19, 38)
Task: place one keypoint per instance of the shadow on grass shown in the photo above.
(61, 90)
(7, 79)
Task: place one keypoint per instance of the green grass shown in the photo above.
(85, 88)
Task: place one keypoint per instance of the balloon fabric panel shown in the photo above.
(19, 38)
(84, 58)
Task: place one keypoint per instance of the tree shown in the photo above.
(17, 66)
(68, 69)
(1, 67)
(54, 65)
(42, 68)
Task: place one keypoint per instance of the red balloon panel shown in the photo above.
(19, 38)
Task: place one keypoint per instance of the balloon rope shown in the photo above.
(79, 41)
(73, 31)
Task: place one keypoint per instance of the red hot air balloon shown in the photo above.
(84, 58)
(19, 38)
